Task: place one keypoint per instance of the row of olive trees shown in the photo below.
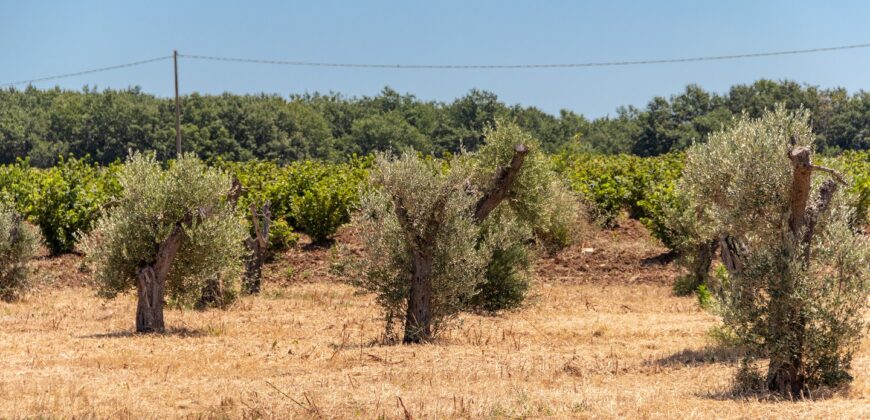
(797, 282)
(183, 217)
(447, 236)
(175, 235)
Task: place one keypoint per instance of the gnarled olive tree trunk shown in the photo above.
(151, 283)
(418, 318)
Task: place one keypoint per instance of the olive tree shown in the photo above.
(18, 243)
(440, 233)
(798, 278)
(171, 231)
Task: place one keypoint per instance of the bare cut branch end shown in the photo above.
(800, 157)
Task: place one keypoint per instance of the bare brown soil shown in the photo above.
(623, 255)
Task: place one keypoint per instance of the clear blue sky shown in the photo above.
(42, 38)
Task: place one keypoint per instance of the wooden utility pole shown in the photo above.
(177, 107)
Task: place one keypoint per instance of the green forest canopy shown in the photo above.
(45, 124)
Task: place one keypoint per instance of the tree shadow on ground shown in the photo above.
(182, 332)
(705, 355)
(664, 258)
(734, 393)
(314, 246)
(752, 390)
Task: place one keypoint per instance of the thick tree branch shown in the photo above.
(235, 192)
(437, 217)
(258, 247)
(501, 184)
(261, 232)
(838, 176)
(405, 222)
(804, 216)
(819, 207)
(802, 171)
(733, 252)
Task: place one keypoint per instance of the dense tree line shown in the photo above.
(45, 124)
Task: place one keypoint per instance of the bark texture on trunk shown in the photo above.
(819, 207)
(258, 248)
(149, 309)
(418, 319)
(784, 377)
(802, 171)
(704, 254)
(151, 283)
(733, 251)
(502, 182)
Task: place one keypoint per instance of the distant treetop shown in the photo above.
(45, 124)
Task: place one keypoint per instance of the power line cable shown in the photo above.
(523, 66)
(101, 69)
(446, 66)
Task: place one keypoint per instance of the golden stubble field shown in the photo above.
(596, 347)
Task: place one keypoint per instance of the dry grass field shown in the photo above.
(602, 338)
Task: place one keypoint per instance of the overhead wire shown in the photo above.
(79, 73)
(444, 66)
(522, 66)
